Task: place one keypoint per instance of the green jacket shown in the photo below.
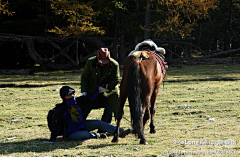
(94, 75)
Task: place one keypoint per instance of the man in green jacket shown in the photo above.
(99, 82)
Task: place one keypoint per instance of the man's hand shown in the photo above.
(102, 90)
(84, 94)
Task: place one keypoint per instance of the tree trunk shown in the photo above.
(222, 53)
(228, 24)
(122, 55)
(137, 10)
(147, 20)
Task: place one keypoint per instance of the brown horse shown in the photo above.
(142, 76)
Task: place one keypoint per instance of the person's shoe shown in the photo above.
(125, 133)
(103, 135)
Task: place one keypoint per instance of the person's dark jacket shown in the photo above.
(94, 75)
(62, 123)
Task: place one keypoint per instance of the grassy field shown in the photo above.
(197, 114)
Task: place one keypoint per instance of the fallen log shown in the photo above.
(62, 57)
(222, 53)
(17, 72)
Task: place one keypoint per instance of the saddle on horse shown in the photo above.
(159, 56)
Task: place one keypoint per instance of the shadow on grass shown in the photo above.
(33, 85)
(207, 79)
(36, 146)
(104, 145)
(42, 145)
(53, 84)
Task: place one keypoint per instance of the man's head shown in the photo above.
(103, 56)
(67, 92)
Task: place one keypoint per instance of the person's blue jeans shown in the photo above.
(107, 113)
(90, 126)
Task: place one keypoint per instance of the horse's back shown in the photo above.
(149, 68)
(149, 65)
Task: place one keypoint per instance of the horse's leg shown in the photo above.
(122, 100)
(146, 107)
(120, 116)
(152, 110)
(147, 90)
(146, 116)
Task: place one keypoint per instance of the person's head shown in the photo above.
(103, 56)
(67, 92)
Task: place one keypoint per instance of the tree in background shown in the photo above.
(80, 18)
(121, 24)
(29, 18)
(222, 31)
(179, 17)
(4, 8)
(110, 17)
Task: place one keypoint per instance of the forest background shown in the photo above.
(62, 34)
(196, 104)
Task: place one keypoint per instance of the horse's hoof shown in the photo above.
(152, 131)
(115, 140)
(143, 142)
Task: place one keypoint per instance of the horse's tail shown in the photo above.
(134, 96)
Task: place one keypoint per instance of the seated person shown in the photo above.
(68, 119)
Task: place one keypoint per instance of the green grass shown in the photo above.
(191, 95)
